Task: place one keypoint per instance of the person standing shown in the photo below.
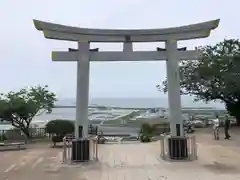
(227, 127)
(216, 125)
(64, 158)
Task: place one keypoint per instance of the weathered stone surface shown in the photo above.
(129, 161)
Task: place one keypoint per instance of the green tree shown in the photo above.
(20, 107)
(216, 76)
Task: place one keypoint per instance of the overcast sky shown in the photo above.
(26, 54)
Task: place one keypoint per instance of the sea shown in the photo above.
(105, 109)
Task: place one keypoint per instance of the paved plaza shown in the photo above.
(130, 161)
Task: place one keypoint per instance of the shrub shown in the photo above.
(146, 128)
(146, 132)
(145, 138)
(3, 137)
(60, 127)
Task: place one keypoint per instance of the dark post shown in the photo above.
(178, 130)
(80, 130)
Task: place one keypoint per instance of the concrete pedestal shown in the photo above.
(80, 150)
(178, 148)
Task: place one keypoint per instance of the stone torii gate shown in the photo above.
(83, 55)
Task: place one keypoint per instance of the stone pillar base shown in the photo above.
(80, 150)
(178, 148)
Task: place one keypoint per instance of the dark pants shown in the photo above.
(227, 136)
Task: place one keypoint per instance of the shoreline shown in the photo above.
(101, 114)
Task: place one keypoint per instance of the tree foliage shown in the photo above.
(216, 76)
(20, 107)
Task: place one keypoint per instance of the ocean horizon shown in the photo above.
(104, 114)
(141, 102)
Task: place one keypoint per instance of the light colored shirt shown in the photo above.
(216, 123)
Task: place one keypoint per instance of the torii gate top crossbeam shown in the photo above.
(68, 33)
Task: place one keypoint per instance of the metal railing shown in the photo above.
(178, 148)
(34, 133)
(67, 150)
(39, 132)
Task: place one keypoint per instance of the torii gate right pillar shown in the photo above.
(173, 85)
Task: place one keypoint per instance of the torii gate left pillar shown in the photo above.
(173, 86)
(82, 95)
